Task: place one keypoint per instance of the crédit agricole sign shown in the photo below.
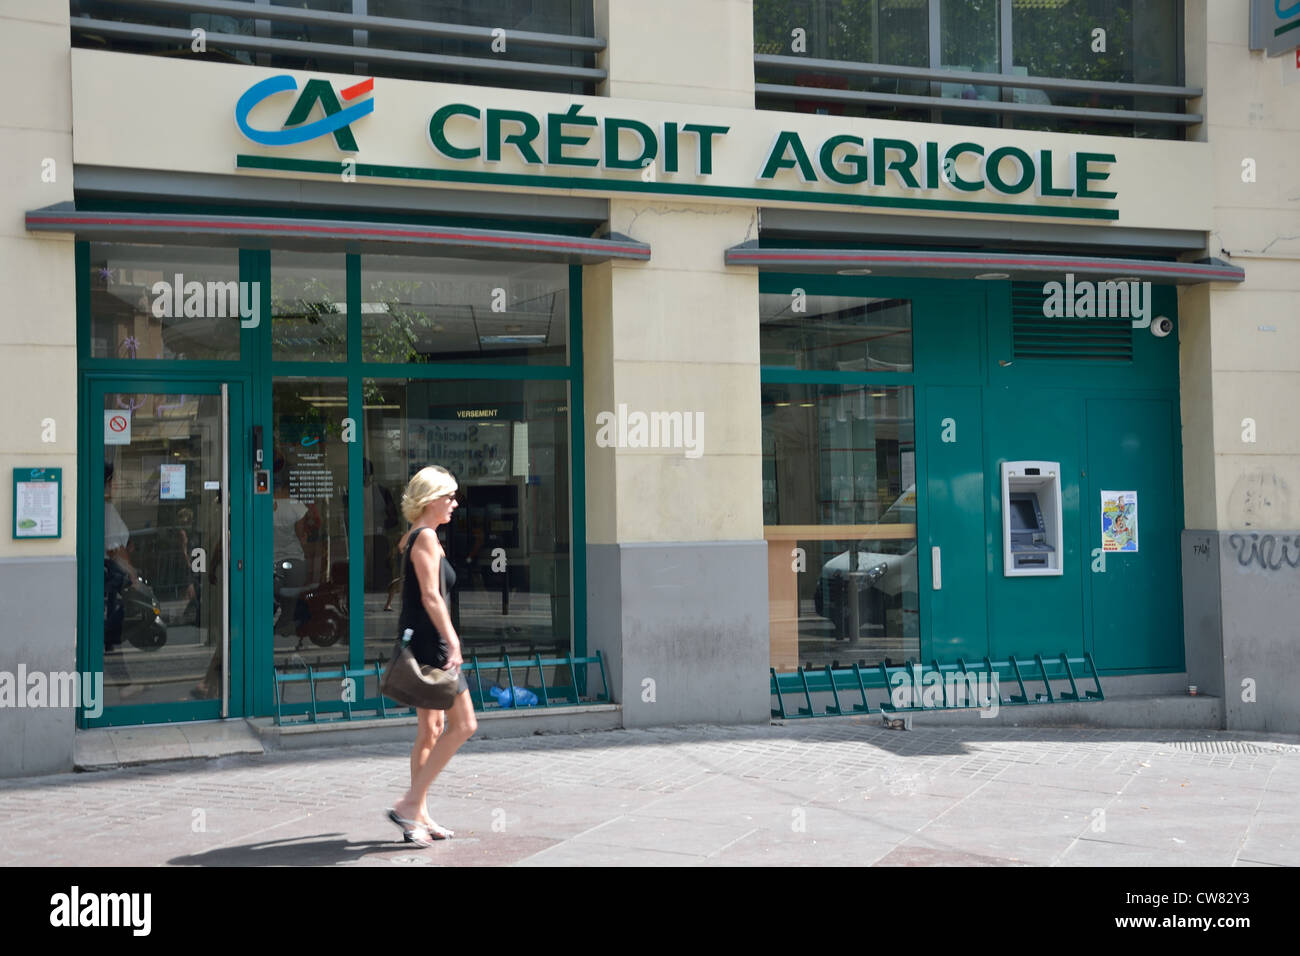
(579, 148)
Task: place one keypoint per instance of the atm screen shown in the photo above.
(1023, 517)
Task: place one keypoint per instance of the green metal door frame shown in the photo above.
(90, 535)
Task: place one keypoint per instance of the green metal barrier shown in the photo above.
(805, 682)
(380, 706)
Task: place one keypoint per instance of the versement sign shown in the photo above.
(575, 149)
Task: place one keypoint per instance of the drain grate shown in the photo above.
(1229, 747)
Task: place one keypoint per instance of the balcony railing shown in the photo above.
(255, 31)
(823, 84)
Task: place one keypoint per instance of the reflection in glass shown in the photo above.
(1142, 40)
(162, 620)
(565, 17)
(164, 302)
(862, 31)
(968, 38)
(835, 333)
(507, 444)
(308, 307)
(839, 481)
(458, 310)
(309, 477)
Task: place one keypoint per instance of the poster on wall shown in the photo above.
(1119, 521)
(38, 497)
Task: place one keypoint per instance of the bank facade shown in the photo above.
(740, 325)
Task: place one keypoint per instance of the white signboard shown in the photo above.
(117, 427)
(37, 509)
(171, 482)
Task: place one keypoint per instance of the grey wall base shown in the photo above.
(1241, 612)
(38, 632)
(683, 627)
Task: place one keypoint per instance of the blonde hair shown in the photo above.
(427, 484)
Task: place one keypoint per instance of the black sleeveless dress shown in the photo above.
(427, 645)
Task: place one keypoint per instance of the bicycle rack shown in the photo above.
(805, 682)
(310, 712)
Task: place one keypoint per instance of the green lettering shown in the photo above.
(438, 132)
(858, 161)
(901, 166)
(522, 141)
(950, 161)
(670, 147)
(649, 144)
(705, 133)
(788, 140)
(1083, 175)
(993, 170)
(1045, 187)
(556, 140)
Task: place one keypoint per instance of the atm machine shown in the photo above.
(1031, 518)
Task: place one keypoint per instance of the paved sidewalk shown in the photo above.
(813, 792)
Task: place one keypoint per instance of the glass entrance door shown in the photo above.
(160, 602)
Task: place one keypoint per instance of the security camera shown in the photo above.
(1161, 326)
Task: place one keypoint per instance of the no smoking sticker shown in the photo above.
(117, 427)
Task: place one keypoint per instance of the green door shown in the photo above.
(1136, 604)
(953, 580)
(164, 613)
(1035, 615)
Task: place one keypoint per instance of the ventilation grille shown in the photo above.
(1035, 336)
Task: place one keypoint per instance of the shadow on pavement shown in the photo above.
(324, 850)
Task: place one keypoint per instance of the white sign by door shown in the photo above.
(117, 427)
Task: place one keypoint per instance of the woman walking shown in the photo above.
(428, 503)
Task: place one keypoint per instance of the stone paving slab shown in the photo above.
(842, 792)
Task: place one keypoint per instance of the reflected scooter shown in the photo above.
(132, 611)
(319, 610)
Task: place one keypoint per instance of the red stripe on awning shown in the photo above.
(340, 229)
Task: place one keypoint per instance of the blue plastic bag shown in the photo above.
(522, 695)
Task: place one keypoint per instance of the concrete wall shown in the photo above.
(677, 585)
(1254, 328)
(1240, 356)
(1260, 572)
(677, 565)
(1203, 611)
(38, 372)
(681, 51)
(684, 629)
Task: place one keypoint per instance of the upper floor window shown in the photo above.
(545, 45)
(1107, 67)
